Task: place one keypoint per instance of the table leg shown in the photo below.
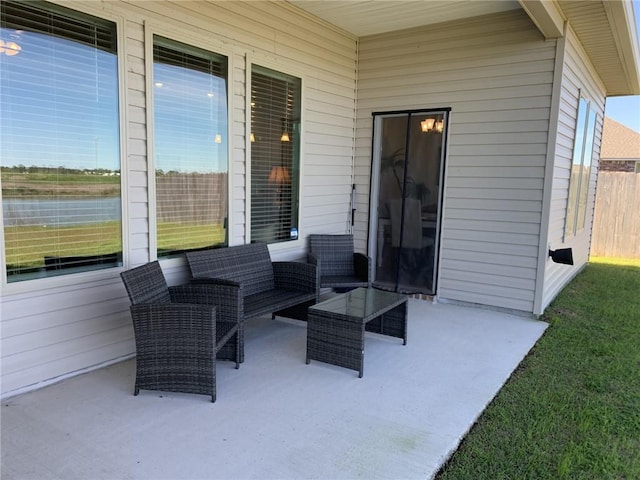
(334, 340)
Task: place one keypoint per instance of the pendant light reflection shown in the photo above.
(218, 138)
(9, 48)
(429, 125)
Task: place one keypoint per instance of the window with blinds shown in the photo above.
(275, 155)
(190, 147)
(59, 141)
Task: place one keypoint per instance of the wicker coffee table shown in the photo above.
(335, 327)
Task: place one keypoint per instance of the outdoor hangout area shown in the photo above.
(182, 330)
(293, 401)
(277, 417)
(284, 239)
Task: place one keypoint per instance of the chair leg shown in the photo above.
(237, 350)
(213, 386)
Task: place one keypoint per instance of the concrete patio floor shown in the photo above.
(276, 417)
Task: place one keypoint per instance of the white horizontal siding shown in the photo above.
(578, 77)
(62, 330)
(52, 328)
(495, 73)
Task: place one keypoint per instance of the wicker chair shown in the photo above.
(339, 266)
(177, 335)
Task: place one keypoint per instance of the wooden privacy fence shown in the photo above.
(181, 196)
(616, 224)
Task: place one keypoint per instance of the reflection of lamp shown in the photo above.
(9, 48)
(252, 137)
(285, 136)
(279, 175)
(218, 138)
(429, 125)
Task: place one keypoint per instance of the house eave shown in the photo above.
(547, 16)
(612, 46)
(621, 20)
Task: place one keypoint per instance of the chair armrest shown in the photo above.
(296, 276)
(226, 295)
(313, 259)
(362, 267)
(180, 324)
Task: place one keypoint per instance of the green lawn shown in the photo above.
(572, 408)
(27, 246)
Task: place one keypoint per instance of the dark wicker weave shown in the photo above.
(177, 335)
(247, 284)
(335, 329)
(340, 267)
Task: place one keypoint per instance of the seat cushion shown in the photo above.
(271, 301)
(332, 281)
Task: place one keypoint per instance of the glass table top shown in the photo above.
(361, 302)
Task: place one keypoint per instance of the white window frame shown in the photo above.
(575, 223)
(200, 39)
(291, 70)
(82, 278)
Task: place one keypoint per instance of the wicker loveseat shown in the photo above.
(247, 284)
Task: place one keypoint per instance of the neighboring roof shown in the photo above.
(619, 142)
(606, 28)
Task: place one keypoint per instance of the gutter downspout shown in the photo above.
(552, 137)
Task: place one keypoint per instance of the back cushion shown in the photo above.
(249, 265)
(335, 253)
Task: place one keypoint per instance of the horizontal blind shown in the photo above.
(59, 141)
(275, 158)
(190, 124)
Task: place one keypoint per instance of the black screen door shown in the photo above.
(406, 199)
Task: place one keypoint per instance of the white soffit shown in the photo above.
(607, 32)
(371, 17)
(605, 28)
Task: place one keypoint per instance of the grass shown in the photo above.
(26, 246)
(572, 408)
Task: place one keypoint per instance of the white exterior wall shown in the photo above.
(495, 73)
(53, 327)
(578, 77)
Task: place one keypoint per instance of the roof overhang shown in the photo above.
(605, 28)
(547, 16)
(623, 27)
(607, 31)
